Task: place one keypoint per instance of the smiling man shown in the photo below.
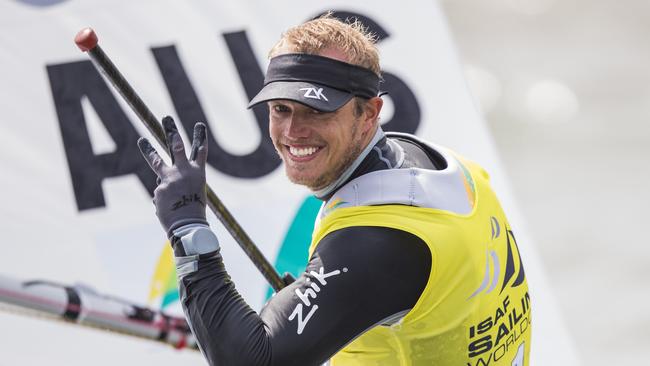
(412, 260)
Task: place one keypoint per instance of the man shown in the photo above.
(412, 260)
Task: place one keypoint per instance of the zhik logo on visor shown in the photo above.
(314, 93)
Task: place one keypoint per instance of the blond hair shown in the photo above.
(319, 34)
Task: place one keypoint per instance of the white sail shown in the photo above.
(75, 202)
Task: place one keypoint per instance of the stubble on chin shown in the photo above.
(331, 175)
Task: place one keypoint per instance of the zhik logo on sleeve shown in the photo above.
(312, 291)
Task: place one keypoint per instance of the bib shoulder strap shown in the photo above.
(449, 189)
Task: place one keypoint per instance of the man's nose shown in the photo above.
(298, 128)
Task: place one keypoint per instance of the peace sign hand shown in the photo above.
(180, 197)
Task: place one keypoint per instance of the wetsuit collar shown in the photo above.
(327, 191)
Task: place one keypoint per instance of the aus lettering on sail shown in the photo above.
(315, 280)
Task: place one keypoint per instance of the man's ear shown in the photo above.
(371, 111)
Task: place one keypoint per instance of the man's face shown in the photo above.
(316, 147)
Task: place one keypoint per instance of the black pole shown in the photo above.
(87, 40)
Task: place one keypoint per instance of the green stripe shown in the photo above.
(293, 253)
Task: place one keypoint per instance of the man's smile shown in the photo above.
(302, 153)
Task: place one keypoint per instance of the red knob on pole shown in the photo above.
(86, 39)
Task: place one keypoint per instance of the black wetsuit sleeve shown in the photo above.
(357, 278)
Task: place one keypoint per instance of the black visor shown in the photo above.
(318, 82)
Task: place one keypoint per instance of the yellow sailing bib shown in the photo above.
(475, 308)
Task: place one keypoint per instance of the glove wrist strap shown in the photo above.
(194, 239)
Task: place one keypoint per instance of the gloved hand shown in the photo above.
(180, 197)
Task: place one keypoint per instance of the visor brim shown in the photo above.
(319, 97)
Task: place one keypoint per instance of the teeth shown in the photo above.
(300, 152)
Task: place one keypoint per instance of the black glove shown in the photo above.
(180, 197)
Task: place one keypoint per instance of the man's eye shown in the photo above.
(281, 108)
